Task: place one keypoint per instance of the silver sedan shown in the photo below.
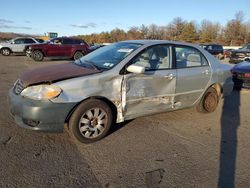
(119, 82)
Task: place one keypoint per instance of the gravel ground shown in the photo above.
(175, 149)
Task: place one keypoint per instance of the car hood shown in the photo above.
(243, 67)
(4, 44)
(54, 73)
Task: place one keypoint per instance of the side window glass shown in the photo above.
(57, 41)
(189, 57)
(68, 41)
(29, 41)
(154, 58)
(19, 41)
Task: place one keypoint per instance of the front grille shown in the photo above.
(18, 87)
(240, 55)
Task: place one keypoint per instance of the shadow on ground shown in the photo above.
(230, 122)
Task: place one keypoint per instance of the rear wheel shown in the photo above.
(209, 101)
(37, 55)
(78, 55)
(5, 51)
(90, 121)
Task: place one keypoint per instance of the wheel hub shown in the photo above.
(93, 122)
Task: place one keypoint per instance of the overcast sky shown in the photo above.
(73, 17)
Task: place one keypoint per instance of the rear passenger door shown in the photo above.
(193, 74)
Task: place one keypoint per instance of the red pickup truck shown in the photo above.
(62, 47)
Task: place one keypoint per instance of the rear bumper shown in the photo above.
(38, 115)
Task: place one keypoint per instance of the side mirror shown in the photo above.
(136, 69)
(12, 42)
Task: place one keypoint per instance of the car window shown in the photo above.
(68, 41)
(189, 57)
(209, 47)
(29, 41)
(19, 41)
(247, 47)
(57, 41)
(77, 41)
(40, 40)
(154, 58)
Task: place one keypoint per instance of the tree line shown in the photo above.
(236, 32)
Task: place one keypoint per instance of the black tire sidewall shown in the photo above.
(80, 110)
(37, 51)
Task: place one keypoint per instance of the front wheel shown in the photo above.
(37, 55)
(5, 51)
(209, 101)
(90, 121)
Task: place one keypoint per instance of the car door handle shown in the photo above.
(205, 72)
(169, 76)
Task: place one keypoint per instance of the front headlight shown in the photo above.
(41, 92)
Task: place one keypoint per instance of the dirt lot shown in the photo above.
(176, 149)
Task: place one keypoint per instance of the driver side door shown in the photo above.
(153, 91)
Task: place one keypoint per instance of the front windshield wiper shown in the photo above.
(89, 63)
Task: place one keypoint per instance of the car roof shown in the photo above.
(212, 44)
(152, 42)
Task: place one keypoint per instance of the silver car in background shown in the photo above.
(119, 82)
(17, 45)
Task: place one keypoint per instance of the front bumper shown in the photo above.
(28, 53)
(38, 115)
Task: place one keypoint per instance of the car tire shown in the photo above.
(77, 55)
(37, 55)
(5, 51)
(209, 101)
(90, 121)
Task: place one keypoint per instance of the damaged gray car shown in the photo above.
(118, 82)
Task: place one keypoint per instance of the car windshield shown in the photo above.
(108, 56)
(246, 47)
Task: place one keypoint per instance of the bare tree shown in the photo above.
(209, 31)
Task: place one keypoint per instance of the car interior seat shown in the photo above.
(193, 60)
(143, 60)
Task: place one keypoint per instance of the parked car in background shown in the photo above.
(240, 55)
(94, 47)
(241, 74)
(214, 49)
(17, 45)
(62, 47)
(119, 82)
